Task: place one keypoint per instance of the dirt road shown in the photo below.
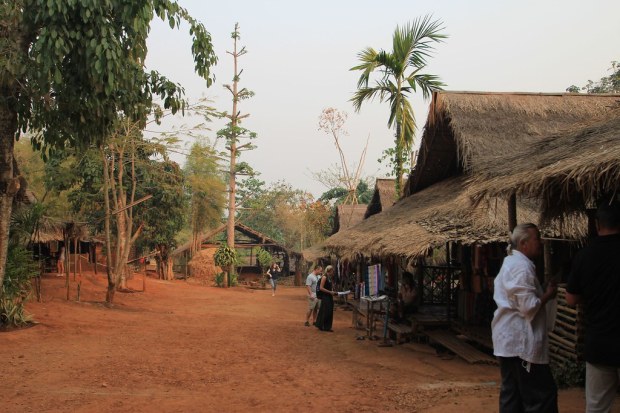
(183, 347)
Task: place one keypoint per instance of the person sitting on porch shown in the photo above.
(407, 297)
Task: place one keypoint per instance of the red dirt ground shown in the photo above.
(184, 347)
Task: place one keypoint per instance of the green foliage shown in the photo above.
(233, 279)
(219, 279)
(569, 374)
(607, 84)
(287, 215)
(205, 187)
(264, 258)
(164, 180)
(80, 64)
(337, 195)
(20, 267)
(399, 76)
(16, 286)
(225, 256)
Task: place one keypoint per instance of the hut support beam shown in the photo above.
(512, 211)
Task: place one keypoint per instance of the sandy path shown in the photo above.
(182, 347)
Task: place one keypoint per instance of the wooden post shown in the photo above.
(592, 231)
(547, 260)
(94, 247)
(75, 258)
(79, 258)
(512, 211)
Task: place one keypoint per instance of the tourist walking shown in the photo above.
(313, 302)
(274, 273)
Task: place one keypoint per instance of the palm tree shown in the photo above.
(399, 77)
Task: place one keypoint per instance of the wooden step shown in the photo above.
(459, 347)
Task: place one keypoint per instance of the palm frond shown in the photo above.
(361, 95)
(368, 59)
(425, 33)
(427, 83)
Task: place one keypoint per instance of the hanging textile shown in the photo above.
(374, 279)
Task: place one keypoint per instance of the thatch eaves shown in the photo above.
(423, 221)
(439, 214)
(383, 197)
(467, 130)
(566, 171)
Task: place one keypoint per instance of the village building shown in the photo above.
(247, 240)
(461, 200)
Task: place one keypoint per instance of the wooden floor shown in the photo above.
(466, 351)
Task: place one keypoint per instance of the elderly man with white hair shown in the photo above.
(519, 328)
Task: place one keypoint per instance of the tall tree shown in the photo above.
(69, 68)
(283, 213)
(206, 189)
(233, 134)
(164, 180)
(132, 169)
(399, 76)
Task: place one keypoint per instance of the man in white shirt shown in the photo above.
(313, 302)
(519, 328)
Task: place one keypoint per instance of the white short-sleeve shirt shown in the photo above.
(311, 281)
(519, 328)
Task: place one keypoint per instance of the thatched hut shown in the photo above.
(465, 134)
(83, 249)
(473, 139)
(348, 215)
(383, 197)
(246, 239)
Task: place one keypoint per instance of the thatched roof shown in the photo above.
(434, 216)
(467, 130)
(464, 134)
(566, 171)
(315, 252)
(411, 227)
(244, 229)
(348, 215)
(383, 198)
(49, 230)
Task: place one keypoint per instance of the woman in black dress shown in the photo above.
(326, 312)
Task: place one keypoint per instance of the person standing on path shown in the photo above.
(519, 328)
(60, 262)
(274, 273)
(313, 301)
(594, 281)
(325, 317)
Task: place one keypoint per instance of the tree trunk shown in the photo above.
(165, 263)
(8, 184)
(109, 297)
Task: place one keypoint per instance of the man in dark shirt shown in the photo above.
(594, 281)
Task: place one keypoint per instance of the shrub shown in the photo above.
(569, 374)
(16, 287)
(219, 279)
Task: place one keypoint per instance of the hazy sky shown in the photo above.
(300, 53)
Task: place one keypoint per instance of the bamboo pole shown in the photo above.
(512, 211)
